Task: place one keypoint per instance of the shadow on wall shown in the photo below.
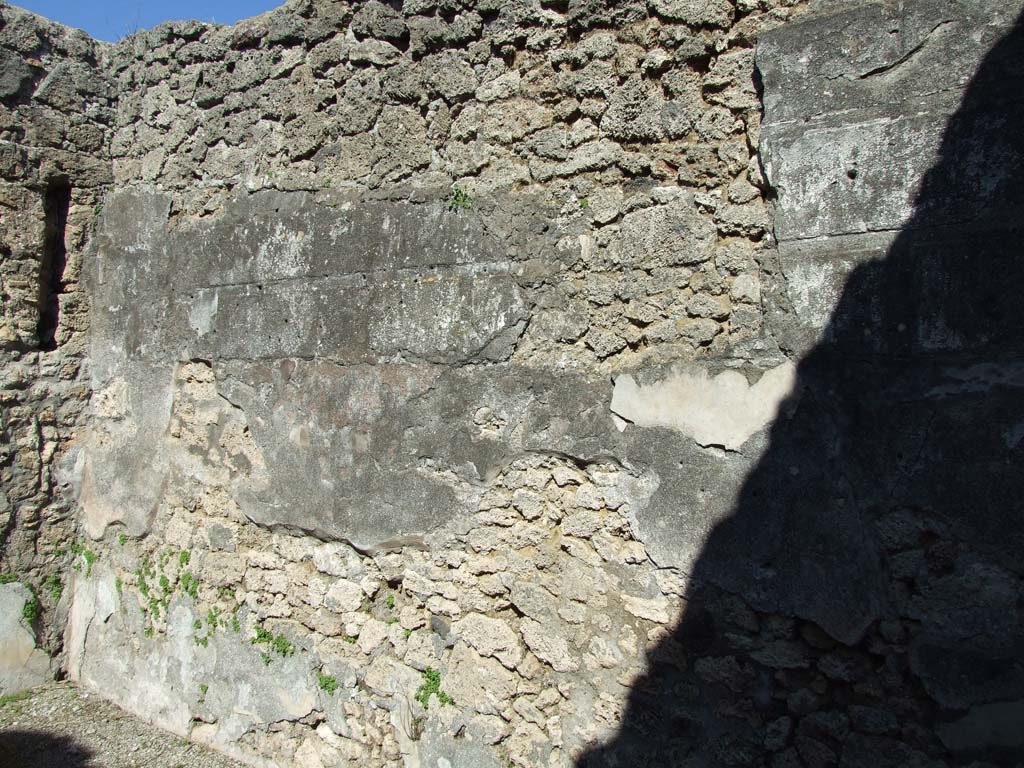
(876, 546)
(33, 749)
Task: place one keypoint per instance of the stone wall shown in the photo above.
(482, 384)
(55, 112)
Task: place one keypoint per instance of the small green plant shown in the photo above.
(212, 618)
(122, 539)
(262, 636)
(197, 624)
(278, 643)
(431, 686)
(459, 199)
(190, 584)
(184, 558)
(236, 626)
(203, 641)
(203, 690)
(165, 584)
(283, 646)
(54, 586)
(88, 555)
(119, 586)
(390, 602)
(8, 578)
(584, 204)
(30, 611)
(266, 659)
(142, 574)
(408, 634)
(328, 683)
(148, 631)
(350, 639)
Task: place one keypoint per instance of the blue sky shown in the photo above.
(113, 19)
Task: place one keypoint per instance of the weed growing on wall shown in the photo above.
(459, 199)
(431, 686)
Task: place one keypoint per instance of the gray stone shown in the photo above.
(548, 646)
(15, 74)
(666, 235)
(695, 13)
(634, 112)
(477, 683)
(22, 664)
(377, 20)
(490, 637)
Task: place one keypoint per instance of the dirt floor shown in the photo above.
(61, 726)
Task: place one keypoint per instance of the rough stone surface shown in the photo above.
(22, 664)
(535, 384)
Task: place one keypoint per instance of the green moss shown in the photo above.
(328, 683)
(431, 686)
(8, 578)
(122, 539)
(13, 698)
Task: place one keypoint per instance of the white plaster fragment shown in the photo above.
(722, 410)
